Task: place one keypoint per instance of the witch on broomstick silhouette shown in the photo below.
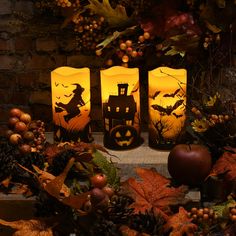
(72, 107)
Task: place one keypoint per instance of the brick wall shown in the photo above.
(29, 50)
(31, 46)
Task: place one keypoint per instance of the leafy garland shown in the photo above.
(72, 202)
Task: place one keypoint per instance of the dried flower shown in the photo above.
(200, 126)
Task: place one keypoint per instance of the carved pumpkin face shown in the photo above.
(124, 135)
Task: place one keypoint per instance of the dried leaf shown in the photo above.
(6, 182)
(55, 186)
(28, 227)
(115, 17)
(221, 3)
(226, 166)
(153, 192)
(20, 188)
(106, 42)
(126, 231)
(77, 201)
(212, 27)
(180, 224)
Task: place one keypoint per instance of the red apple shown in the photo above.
(189, 164)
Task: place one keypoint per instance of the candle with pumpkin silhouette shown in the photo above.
(71, 104)
(121, 110)
(167, 105)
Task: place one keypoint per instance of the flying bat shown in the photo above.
(56, 84)
(65, 86)
(58, 97)
(154, 95)
(169, 109)
(172, 94)
(177, 116)
(68, 95)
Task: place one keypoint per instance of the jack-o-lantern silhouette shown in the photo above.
(124, 135)
(120, 105)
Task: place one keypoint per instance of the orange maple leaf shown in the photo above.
(154, 192)
(226, 165)
(180, 224)
(126, 231)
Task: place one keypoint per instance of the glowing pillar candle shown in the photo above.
(167, 105)
(71, 104)
(121, 109)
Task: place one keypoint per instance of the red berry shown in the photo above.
(25, 148)
(12, 121)
(15, 112)
(20, 127)
(15, 139)
(25, 117)
(99, 180)
(108, 191)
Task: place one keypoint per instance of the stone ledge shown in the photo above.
(127, 160)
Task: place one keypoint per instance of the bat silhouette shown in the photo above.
(169, 109)
(172, 94)
(56, 84)
(58, 97)
(177, 116)
(68, 95)
(135, 90)
(65, 86)
(155, 95)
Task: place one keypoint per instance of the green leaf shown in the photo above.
(114, 36)
(107, 167)
(115, 17)
(222, 210)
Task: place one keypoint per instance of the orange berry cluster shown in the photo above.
(201, 215)
(129, 50)
(27, 135)
(212, 118)
(232, 214)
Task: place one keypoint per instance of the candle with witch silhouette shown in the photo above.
(71, 104)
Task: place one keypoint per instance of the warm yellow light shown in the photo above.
(167, 105)
(70, 101)
(121, 110)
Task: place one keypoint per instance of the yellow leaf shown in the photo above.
(213, 28)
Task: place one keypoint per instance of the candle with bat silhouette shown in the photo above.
(121, 110)
(167, 105)
(71, 104)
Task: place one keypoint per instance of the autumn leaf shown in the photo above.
(115, 17)
(226, 166)
(180, 224)
(113, 37)
(153, 192)
(28, 227)
(54, 187)
(126, 231)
